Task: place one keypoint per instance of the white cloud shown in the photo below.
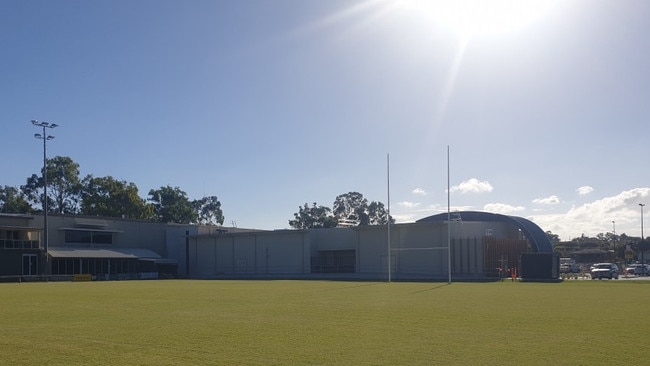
(419, 191)
(405, 217)
(552, 200)
(502, 208)
(472, 185)
(597, 216)
(408, 204)
(584, 190)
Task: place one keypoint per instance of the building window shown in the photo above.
(88, 237)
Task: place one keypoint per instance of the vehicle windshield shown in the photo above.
(603, 266)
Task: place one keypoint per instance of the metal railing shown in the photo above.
(19, 244)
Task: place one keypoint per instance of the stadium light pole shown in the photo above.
(45, 137)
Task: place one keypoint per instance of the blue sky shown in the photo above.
(272, 104)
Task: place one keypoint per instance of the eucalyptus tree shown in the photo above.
(12, 200)
(313, 217)
(171, 204)
(209, 210)
(354, 207)
(107, 196)
(64, 187)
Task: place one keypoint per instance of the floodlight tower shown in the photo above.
(45, 137)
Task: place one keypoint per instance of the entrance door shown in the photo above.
(30, 264)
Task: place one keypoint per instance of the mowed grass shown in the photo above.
(186, 322)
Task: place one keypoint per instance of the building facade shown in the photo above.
(474, 246)
(469, 245)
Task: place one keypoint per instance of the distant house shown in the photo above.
(593, 255)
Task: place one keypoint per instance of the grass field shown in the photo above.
(185, 322)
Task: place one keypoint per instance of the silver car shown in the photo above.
(638, 269)
(604, 270)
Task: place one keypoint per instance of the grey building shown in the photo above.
(472, 245)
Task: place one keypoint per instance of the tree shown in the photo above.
(209, 211)
(377, 214)
(12, 200)
(313, 217)
(172, 205)
(63, 186)
(353, 206)
(106, 196)
(553, 238)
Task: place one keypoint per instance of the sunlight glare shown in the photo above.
(478, 18)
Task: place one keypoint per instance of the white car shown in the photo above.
(604, 270)
(638, 269)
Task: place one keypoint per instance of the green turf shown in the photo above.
(324, 323)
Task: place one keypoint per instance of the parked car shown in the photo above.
(604, 270)
(568, 265)
(566, 268)
(638, 269)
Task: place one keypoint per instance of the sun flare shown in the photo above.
(478, 18)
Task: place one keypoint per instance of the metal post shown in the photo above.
(45, 137)
(388, 211)
(642, 246)
(614, 239)
(448, 223)
(45, 204)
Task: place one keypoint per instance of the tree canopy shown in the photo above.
(12, 200)
(209, 210)
(350, 207)
(106, 196)
(63, 186)
(313, 217)
(170, 204)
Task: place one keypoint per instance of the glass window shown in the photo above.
(88, 237)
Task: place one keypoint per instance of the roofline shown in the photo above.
(535, 235)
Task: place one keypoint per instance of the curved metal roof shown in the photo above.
(536, 236)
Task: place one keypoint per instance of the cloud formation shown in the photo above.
(552, 200)
(408, 204)
(472, 185)
(598, 216)
(585, 190)
(419, 191)
(502, 208)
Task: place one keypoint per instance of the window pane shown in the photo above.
(74, 236)
(102, 238)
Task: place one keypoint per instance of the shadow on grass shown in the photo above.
(355, 286)
(432, 288)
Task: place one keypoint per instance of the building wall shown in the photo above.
(418, 251)
(176, 248)
(20, 246)
(126, 233)
(278, 252)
